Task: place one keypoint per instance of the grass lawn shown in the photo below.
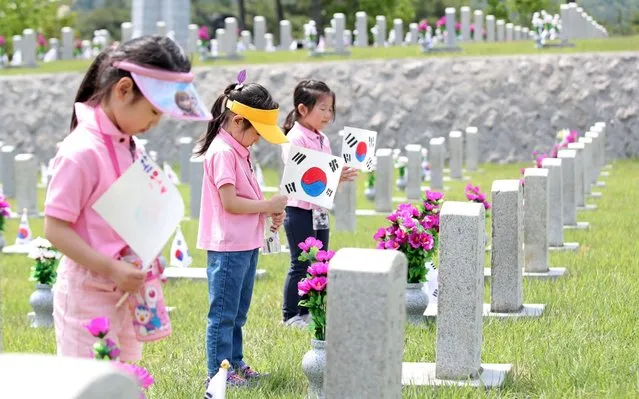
(623, 43)
(585, 345)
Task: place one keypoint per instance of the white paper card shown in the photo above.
(143, 207)
(358, 148)
(311, 176)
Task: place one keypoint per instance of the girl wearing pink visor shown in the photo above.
(124, 93)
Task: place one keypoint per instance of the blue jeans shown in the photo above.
(231, 276)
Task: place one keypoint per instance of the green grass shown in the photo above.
(623, 43)
(585, 345)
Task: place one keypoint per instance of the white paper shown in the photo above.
(170, 173)
(311, 176)
(272, 243)
(143, 207)
(358, 148)
(432, 284)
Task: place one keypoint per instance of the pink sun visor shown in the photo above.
(172, 93)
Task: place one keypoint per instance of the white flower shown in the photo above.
(40, 242)
(35, 253)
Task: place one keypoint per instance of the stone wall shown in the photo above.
(517, 102)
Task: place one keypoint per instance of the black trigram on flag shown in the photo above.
(333, 165)
(347, 157)
(290, 188)
(299, 158)
(351, 140)
(371, 141)
(329, 192)
(369, 164)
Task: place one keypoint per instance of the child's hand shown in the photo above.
(348, 174)
(277, 203)
(127, 277)
(276, 221)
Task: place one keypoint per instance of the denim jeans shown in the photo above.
(231, 276)
(298, 225)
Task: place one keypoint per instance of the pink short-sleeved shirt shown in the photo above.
(227, 162)
(303, 137)
(82, 172)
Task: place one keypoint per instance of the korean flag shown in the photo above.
(311, 176)
(358, 148)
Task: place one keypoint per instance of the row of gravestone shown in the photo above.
(366, 302)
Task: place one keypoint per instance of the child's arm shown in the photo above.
(59, 232)
(238, 205)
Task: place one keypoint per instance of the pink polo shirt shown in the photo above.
(227, 162)
(82, 172)
(303, 137)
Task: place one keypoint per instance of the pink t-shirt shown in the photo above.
(303, 137)
(82, 172)
(227, 162)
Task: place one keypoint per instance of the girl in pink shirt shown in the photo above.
(232, 217)
(314, 109)
(124, 93)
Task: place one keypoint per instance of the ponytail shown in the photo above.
(291, 118)
(89, 86)
(252, 95)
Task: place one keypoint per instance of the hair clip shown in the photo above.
(241, 78)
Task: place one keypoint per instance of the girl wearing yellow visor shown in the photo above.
(232, 216)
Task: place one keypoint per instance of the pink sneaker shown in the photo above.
(250, 374)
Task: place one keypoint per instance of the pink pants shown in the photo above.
(80, 296)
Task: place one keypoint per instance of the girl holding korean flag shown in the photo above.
(314, 109)
(232, 218)
(123, 94)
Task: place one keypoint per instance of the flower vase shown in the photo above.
(2, 242)
(401, 183)
(369, 193)
(416, 302)
(313, 365)
(41, 301)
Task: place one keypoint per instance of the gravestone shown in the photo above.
(490, 28)
(64, 377)
(29, 48)
(461, 270)
(345, 207)
(594, 135)
(286, 37)
(437, 153)
(338, 40)
(380, 37)
(414, 33)
(186, 149)
(196, 174)
(479, 26)
(509, 32)
(555, 206)
(506, 285)
(17, 58)
(465, 23)
(259, 32)
(67, 43)
(230, 36)
(589, 172)
(384, 180)
(126, 31)
(472, 148)
(26, 179)
(361, 25)
(601, 126)
(220, 36)
(365, 324)
(414, 172)
(161, 29)
(536, 220)
(580, 191)
(451, 40)
(348, 38)
(54, 45)
(456, 154)
(398, 26)
(568, 168)
(194, 36)
(7, 155)
(269, 46)
(329, 37)
(246, 39)
(501, 32)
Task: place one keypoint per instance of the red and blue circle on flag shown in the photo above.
(314, 181)
(360, 151)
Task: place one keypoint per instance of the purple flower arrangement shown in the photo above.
(107, 349)
(474, 194)
(564, 137)
(312, 289)
(5, 211)
(411, 234)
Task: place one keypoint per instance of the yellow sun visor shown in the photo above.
(264, 121)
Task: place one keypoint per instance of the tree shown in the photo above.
(109, 18)
(242, 11)
(496, 8)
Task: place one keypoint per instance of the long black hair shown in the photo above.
(307, 92)
(151, 51)
(251, 94)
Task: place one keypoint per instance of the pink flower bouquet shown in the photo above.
(474, 194)
(312, 289)
(5, 211)
(412, 235)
